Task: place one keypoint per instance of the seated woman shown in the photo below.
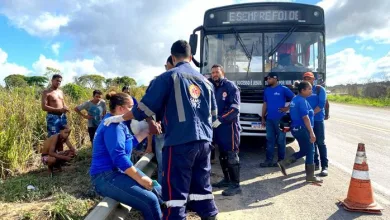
(112, 172)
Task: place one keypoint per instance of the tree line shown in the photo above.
(90, 81)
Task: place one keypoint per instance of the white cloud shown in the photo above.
(347, 66)
(9, 68)
(69, 69)
(56, 48)
(367, 19)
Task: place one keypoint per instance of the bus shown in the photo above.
(253, 39)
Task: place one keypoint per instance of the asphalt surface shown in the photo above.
(269, 195)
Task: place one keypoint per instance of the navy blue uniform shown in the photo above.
(227, 134)
(186, 100)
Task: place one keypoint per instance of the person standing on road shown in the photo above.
(186, 99)
(302, 117)
(96, 109)
(227, 130)
(54, 104)
(317, 101)
(275, 98)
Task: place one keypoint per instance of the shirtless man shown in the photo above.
(53, 103)
(53, 154)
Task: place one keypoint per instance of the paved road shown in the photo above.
(350, 125)
(269, 195)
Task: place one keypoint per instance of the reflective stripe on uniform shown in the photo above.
(175, 203)
(214, 112)
(199, 197)
(178, 98)
(236, 106)
(145, 109)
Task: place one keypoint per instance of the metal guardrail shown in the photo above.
(111, 209)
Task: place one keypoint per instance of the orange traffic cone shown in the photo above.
(360, 193)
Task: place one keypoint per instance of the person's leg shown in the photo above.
(91, 132)
(159, 144)
(124, 189)
(270, 147)
(309, 162)
(177, 168)
(201, 196)
(281, 141)
(52, 122)
(234, 163)
(319, 130)
(223, 160)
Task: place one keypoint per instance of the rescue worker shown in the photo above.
(275, 97)
(302, 117)
(317, 101)
(186, 99)
(227, 130)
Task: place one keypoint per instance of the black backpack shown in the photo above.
(318, 90)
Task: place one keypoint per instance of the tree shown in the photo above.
(15, 80)
(125, 80)
(108, 82)
(91, 81)
(36, 80)
(76, 92)
(50, 71)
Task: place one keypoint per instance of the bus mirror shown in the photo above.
(193, 43)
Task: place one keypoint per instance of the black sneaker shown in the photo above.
(222, 183)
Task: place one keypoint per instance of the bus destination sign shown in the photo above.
(263, 16)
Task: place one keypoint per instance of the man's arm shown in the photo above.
(149, 148)
(263, 112)
(234, 108)
(321, 99)
(81, 107)
(289, 95)
(52, 150)
(70, 146)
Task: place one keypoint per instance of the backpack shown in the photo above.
(318, 88)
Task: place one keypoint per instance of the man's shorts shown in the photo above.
(44, 159)
(54, 123)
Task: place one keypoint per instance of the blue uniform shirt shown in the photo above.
(318, 100)
(299, 107)
(112, 148)
(228, 101)
(186, 99)
(276, 98)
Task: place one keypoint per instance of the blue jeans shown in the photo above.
(159, 144)
(319, 131)
(124, 189)
(275, 136)
(305, 147)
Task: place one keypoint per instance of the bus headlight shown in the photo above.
(316, 13)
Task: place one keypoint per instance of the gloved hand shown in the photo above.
(140, 129)
(113, 119)
(216, 123)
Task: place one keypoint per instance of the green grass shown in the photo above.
(380, 102)
(69, 191)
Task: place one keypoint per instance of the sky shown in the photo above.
(133, 38)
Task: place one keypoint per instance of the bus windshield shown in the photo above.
(265, 52)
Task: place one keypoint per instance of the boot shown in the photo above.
(317, 167)
(310, 177)
(209, 218)
(234, 188)
(283, 164)
(225, 182)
